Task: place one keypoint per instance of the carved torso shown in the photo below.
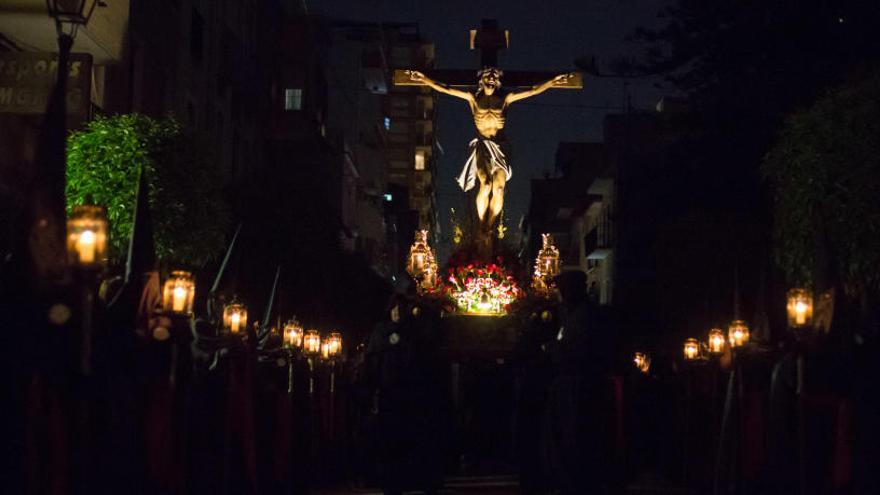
(488, 113)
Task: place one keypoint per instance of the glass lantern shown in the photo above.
(312, 342)
(547, 263)
(642, 362)
(691, 349)
(716, 341)
(178, 293)
(293, 334)
(799, 308)
(334, 342)
(235, 318)
(420, 256)
(87, 236)
(738, 333)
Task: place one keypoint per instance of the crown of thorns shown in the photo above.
(489, 70)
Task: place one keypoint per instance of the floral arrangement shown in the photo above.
(482, 288)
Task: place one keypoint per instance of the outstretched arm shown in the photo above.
(417, 76)
(538, 89)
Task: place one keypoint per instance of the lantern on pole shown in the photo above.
(312, 343)
(178, 293)
(74, 12)
(235, 317)
(800, 308)
(87, 237)
(691, 349)
(334, 342)
(642, 362)
(293, 334)
(738, 333)
(716, 341)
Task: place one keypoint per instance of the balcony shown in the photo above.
(596, 246)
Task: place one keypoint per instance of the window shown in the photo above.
(387, 123)
(292, 99)
(387, 197)
(420, 159)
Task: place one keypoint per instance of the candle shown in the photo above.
(178, 299)
(85, 246)
(235, 319)
(800, 310)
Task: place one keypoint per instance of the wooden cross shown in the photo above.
(489, 40)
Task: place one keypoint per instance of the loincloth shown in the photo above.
(488, 156)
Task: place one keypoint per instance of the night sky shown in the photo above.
(545, 35)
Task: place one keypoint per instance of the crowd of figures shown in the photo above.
(566, 410)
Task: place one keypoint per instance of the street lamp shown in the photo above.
(87, 237)
(738, 333)
(74, 13)
(178, 293)
(716, 341)
(800, 308)
(235, 317)
(312, 349)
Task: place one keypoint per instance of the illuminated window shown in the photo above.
(387, 123)
(387, 197)
(293, 99)
(420, 160)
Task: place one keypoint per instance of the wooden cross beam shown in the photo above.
(489, 40)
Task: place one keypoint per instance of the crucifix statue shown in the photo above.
(488, 161)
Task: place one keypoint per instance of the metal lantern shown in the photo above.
(334, 342)
(738, 333)
(178, 292)
(75, 12)
(420, 257)
(642, 362)
(800, 308)
(235, 317)
(312, 342)
(691, 349)
(548, 258)
(87, 236)
(716, 341)
(293, 334)
(325, 350)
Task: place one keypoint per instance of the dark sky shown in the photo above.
(544, 35)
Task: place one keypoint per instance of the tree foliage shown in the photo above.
(825, 169)
(189, 213)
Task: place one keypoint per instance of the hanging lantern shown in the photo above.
(716, 341)
(235, 317)
(642, 362)
(178, 293)
(420, 256)
(334, 341)
(293, 334)
(312, 342)
(691, 349)
(87, 236)
(738, 333)
(800, 308)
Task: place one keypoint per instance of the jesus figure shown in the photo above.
(488, 159)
